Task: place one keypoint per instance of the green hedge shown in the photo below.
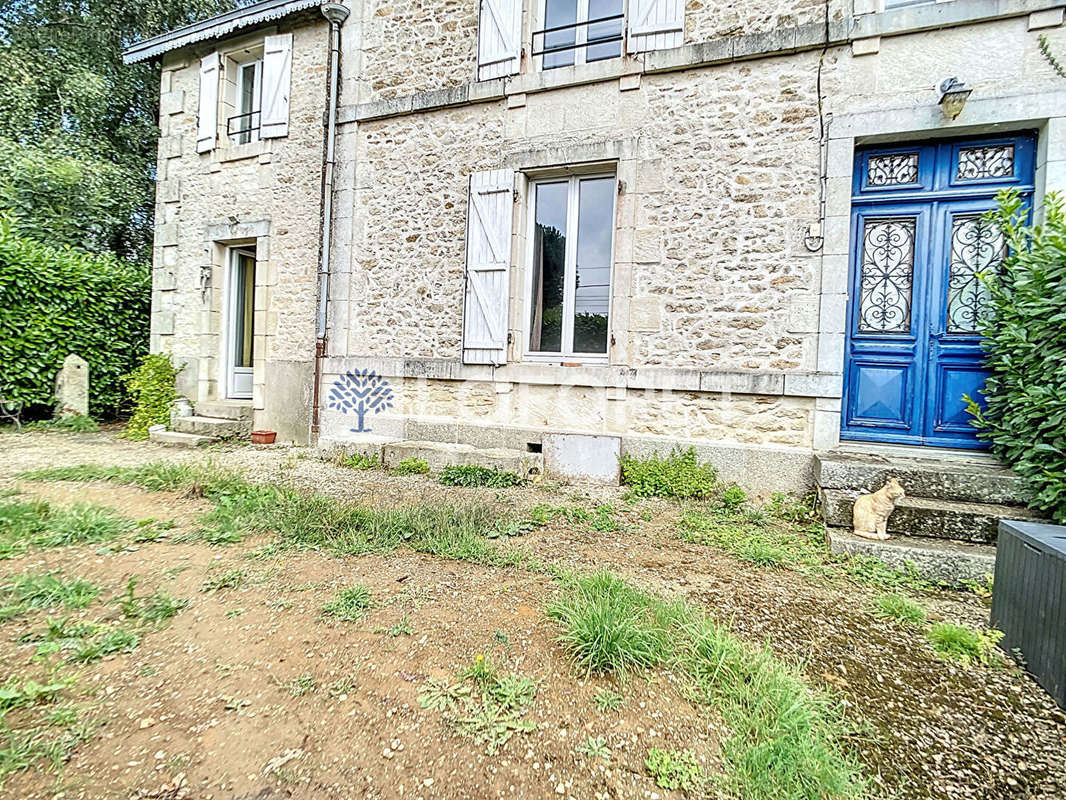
(56, 301)
(1025, 417)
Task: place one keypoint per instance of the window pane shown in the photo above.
(549, 269)
(592, 292)
(978, 247)
(243, 292)
(556, 13)
(886, 275)
(248, 89)
(604, 30)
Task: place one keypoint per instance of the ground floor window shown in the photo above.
(570, 275)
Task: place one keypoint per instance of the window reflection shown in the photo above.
(549, 268)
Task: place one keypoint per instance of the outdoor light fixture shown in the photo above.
(953, 95)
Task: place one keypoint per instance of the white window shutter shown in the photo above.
(499, 49)
(488, 267)
(656, 24)
(277, 78)
(207, 117)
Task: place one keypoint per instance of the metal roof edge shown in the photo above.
(214, 28)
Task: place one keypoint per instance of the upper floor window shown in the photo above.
(243, 126)
(569, 33)
(579, 31)
(244, 93)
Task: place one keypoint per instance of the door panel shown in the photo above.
(920, 245)
(967, 246)
(886, 352)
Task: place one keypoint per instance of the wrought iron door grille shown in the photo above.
(546, 49)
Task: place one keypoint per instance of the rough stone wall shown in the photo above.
(410, 222)
(276, 180)
(710, 417)
(715, 205)
(711, 19)
(736, 149)
(416, 46)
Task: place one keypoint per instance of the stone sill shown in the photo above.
(239, 152)
(725, 50)
(784, 384)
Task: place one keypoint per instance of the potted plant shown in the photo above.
(264, 437)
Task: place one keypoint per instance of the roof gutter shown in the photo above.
(335, 14)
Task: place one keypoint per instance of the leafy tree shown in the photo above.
(1025, 341)
(78, 127)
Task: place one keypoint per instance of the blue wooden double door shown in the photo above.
(919, 246)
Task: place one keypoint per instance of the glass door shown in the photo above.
(241, 322)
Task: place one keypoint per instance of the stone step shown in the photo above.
(950, 563)
(180, 439)
(442, 454)
(922, 516)
(217, 427)
(225, 409)
(972, 479)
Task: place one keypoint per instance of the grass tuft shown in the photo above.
(29, 591)
(349, 604)
(609, 626)
(964, 645)
(900, 608)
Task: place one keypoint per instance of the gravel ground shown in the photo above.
(929, 729)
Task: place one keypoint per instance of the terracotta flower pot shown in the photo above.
(264, 437)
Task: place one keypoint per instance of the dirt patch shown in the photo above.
(216, 687)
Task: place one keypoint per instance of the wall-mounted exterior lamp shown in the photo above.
(953, 96)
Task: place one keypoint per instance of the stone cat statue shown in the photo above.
(871, 511)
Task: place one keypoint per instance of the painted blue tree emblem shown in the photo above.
(360, 393)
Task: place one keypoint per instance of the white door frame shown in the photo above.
(237, 381)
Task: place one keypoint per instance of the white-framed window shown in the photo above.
(578, 32)
(570, 265)
(245, 124)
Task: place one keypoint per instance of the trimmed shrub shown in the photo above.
(57, 301)
(151, 386)
(1025, 338)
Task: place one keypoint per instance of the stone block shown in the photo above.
(645, 314)
(585, 459)
(72, 387)
(866, 47)
(927, 517)
(1048, 18)
(647, 246)
(949, 563)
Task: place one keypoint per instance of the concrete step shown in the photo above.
(951, 563)
(225, 409)
(180, 439)
(443, 454)
(947, 476)
(217, 427)
(922, 516)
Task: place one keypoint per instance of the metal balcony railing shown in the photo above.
(597, 32)
(242, 128)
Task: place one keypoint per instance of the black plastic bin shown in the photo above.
(1029, 601)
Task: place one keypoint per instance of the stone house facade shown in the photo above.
(590, 230)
